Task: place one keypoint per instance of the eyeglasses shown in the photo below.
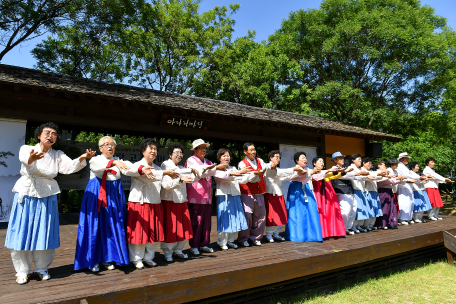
(47, 132)
(178, 153)
(108, 145)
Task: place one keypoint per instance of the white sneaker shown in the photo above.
(168, 258)
(245, 244)
(417, 221)
(385, 228)
(95, 268)
(356, 231)
(180, 255)
(439, 218)
(150, 263)
(194, 251)
(399, 224)
(44, 276)
(270, 240)
(412, 222)
(232, 245)
(374, 228)
(349, 232)
(368, 228)
(206, 249)
(404, 223)
(21, 280)
(139, 265)
(109, 266)
(278, 238)
(257, 243)
(433, 218)
(224, 247)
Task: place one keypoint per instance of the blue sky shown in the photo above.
(262, 16)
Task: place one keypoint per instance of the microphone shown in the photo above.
(51, 141)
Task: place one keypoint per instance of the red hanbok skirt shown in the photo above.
(144, 223)
(434, 197)
(396, 202)
(176, 220)
(276, 212)
(332, 223)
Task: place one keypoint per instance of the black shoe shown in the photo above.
(423, 221)
(393, 227)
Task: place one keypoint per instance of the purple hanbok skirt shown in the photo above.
(389, 217)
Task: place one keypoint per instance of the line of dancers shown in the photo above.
(171, 204)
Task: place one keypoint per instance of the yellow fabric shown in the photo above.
(330, 176)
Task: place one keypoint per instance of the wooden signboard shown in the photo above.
(184, 122)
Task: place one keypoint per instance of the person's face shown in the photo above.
(394, 167)
(201, 151)
(319, 164)
(177, 155)
(382, 166)
(404, 160)
(275, 159)
(250, 152)
(225, 158)
(150, 153)
(302, 161)
(416, 168)
(431, 164)
(108, 147)
(368, 165)
(339, 161)
(357, 162)
(48, 136)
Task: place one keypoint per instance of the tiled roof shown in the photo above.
(31, 77)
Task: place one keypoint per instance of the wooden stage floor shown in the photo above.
(211, 274)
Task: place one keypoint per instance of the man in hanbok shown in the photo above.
(200, 198)
(252, 198)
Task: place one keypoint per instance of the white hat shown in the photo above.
(402, 155)
(198, 142)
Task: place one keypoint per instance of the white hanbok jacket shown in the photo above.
(173, 190)
(229, 185)
(433, 183)
(274, 178)
(37, 179)
(143, 189)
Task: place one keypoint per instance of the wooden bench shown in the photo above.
(450, 243)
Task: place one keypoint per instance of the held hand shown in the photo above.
(334, 169)
(448, 180)
(148, 172)
(349, 170)
(245, 170)
(171, 173)
(411, 181)
(300, 170)
(423, 178)
(186, 179)
(370, 177)
(120, 165)
(315, 171)
(210, 167)
(89, 153)
(221, 167)
(195, 172)
(236, 173)
(273, 166)
(260, 172)
(35, 156)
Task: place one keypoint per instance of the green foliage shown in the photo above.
(4, 155)
(125, 140)
(23, 20)
(70, 200)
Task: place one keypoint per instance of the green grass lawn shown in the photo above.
(428, 283)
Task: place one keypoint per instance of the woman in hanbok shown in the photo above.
(432, 188)
(332, 223)
(101, 231)
(176, 217)
(421, 199)
(303, 219)
(389, 218)
(276, 211)
(230, 212)
(33, 229)
(372, 192)
(365, 210)
(145, 211)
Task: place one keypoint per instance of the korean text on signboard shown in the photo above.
(184, 122)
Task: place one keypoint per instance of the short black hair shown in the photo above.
(247, 145)
(355, 156)
(316, 158)
(412, 165)
(297, 155)
(173, 146)
(428, 160)
(222, 151)
(392, 161)
(366, 160)
(51, 125)
(273, 153)
(147, 142)
(377, 164)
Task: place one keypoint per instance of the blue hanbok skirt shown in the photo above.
(303, 219)
(365, 209)
(376, 204)
(33, 224)
(230, 214)
(421, 201)
(101, 235)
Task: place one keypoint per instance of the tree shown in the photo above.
(251, 73)
(369, 62)
(22, 20)
(4, 155)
